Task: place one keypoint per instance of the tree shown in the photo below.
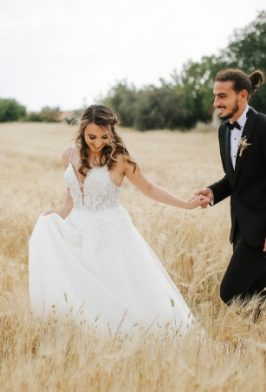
(11, 110)
(188, 97)
(247, 50)
(161, 107)
(122, 98)
(48, 114)
(197, 83)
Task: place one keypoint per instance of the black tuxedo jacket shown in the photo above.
(247, 183)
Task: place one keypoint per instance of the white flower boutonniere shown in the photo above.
(243, 145)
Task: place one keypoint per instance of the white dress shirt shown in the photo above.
(235, 136)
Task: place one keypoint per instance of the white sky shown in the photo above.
(67, 53)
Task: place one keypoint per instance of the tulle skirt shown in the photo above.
(95, 266)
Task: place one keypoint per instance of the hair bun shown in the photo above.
(113, 120)
(256, 78)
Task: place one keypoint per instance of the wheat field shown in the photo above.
(192, 245)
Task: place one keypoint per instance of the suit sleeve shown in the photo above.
(221, 189)
(264, 137)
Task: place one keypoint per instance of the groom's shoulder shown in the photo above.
(260, 125)
(258, 121)
(261, 117)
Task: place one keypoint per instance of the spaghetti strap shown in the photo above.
(70, 158)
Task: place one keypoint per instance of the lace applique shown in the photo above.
(100, 192)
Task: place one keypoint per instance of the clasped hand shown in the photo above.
(202, 198)
(204, 202)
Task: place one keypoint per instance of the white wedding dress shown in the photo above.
(94, 265)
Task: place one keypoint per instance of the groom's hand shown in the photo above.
(264, 247)
(207, 192)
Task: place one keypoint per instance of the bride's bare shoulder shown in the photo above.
(125, 162)
(68, 153)
(121, 160)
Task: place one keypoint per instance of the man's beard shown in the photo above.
(230, 115)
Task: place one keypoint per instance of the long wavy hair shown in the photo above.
(101, 115)
(241, 81)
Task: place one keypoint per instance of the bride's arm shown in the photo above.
(67, 199)
(67, 205)
(155, 192)
(65, 208)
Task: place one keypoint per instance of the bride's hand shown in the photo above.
(198, 201)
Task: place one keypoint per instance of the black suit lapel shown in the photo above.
(227, 155)
(247, 131)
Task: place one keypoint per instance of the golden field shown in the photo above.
(193, 246)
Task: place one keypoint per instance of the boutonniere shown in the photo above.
(243, 145)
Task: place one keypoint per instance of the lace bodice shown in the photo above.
(99, 191)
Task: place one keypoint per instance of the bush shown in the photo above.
(123, 98)
(11, 110)
(47, 114)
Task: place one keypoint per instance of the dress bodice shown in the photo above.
(99, 191)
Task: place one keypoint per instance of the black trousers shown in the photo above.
(246, 272)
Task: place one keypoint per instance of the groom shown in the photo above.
(242, 140)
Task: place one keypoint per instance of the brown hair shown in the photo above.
(241, 81)
(101, 115)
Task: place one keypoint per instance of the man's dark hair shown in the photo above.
(241, 81)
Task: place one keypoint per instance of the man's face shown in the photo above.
(227, 100)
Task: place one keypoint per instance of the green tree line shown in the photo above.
(179, 102)
(187, 97)
(12, 110)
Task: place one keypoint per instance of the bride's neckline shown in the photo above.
(81, 184)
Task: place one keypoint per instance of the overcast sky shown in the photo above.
(67, 53)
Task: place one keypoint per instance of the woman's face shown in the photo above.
(96, 137)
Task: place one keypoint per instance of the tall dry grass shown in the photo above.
(193, 246)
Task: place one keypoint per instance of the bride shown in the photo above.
(87, 258)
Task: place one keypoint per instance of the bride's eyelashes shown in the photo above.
(92, 137)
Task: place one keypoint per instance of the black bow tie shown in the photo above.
(233, 125)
